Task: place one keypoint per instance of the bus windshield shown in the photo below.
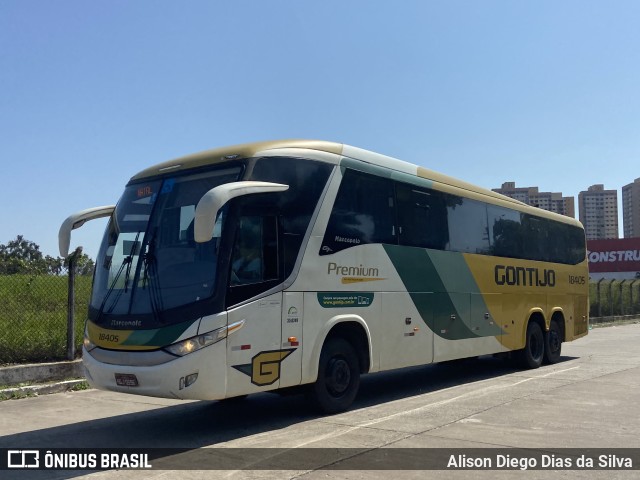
(149, 261)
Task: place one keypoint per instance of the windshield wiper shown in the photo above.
(152, 277)
(127, 262)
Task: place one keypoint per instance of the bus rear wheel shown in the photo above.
(553, 343)
(532, 354)
(338, 377)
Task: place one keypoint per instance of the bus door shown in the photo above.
(254, 351)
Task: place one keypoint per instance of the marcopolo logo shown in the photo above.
(524, 276)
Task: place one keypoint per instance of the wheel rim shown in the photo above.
(338, 376)
(537, 346)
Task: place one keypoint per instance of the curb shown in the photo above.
(613, 320)
(42, 389)
(40, 379)
(41, 372)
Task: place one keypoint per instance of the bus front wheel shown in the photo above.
(338, 376)
(533, 352)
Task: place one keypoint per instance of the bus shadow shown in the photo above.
(413, 381)
(200, 424)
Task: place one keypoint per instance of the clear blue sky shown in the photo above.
(541, 93)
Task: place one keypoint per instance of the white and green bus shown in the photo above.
(279, 264)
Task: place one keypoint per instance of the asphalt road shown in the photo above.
(591, 399)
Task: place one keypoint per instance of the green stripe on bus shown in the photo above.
(429, 276)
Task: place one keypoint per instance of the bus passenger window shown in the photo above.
(468, 228)
(363, 213)
(505, 232)
(422, 217)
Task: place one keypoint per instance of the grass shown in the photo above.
(32, 392)
(16, 394)
(78, 387)
(33, 317)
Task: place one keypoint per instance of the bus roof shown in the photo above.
(225, 154)
(248, 150)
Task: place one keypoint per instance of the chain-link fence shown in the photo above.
(34, 313)
(33, 316)
(610, 298)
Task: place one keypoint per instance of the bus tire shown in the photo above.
(532, 354)
(338, 377)
(553, 343)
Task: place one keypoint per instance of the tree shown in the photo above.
(84, 264)
(54, 265)
(22, 249)
(19, 256)
(22, 256)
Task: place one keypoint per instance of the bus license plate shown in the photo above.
(126, 380)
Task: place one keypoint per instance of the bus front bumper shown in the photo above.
(167, 380)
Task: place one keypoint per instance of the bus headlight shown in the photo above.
(87, 343)
(194, 344)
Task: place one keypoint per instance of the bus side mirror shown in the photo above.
(212, 201)
(76, 221)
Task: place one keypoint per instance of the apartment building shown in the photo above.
(552, 201)
(598, 210)
(631, 209)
